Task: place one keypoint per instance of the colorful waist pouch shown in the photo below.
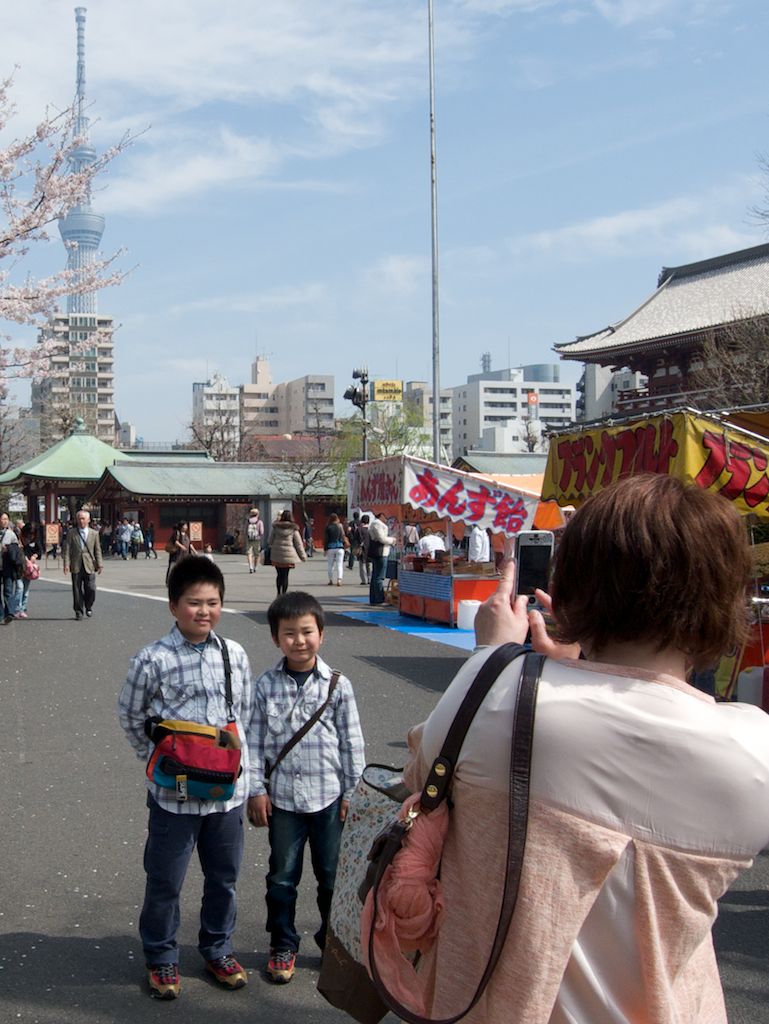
(194, 760)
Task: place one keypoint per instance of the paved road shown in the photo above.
(72, 827)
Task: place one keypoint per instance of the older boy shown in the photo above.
(182, 677)
(309, 787)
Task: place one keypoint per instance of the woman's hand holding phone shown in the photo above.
(504, 618)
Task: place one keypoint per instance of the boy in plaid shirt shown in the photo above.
(308, 792)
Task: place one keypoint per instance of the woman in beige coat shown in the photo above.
(285, 545)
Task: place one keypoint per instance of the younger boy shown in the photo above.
(309, 790)
(182, 677)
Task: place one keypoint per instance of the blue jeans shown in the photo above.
(376, 594)
(10, 595)
(171, 840)
(289, 832)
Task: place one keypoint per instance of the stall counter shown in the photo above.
(435, 596)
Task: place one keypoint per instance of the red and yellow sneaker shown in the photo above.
(164, 981)
(227, 971)
(280, 966)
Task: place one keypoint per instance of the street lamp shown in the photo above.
(358, 395)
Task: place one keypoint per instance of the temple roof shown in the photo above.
(688, 300)
(494, 463)
(83, 457)
(80, 456)
(223, 480)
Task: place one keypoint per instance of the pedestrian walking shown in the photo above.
(137, 540)
(82, 559)
(149, 541)
(334, 546)
(309, 542)
(33, 552)
(362, 555)
(285, 544)
(179, 545)
(254, 539)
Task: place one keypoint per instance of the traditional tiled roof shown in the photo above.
(82, 457)
(494, 463)
(222, 480)
(688, 299)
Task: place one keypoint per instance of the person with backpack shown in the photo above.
(254, 539)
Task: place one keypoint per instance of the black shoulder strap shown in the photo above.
(227, 678)
(520, 766)
(438, 780)
(301, 733)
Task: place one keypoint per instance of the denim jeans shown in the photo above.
(171, 840)
(289, 832)
(378, 574)
(10, 595)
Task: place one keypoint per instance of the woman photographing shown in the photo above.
(647, 798)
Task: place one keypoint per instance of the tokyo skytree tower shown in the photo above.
(81, 230)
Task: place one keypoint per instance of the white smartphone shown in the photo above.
(533, 552)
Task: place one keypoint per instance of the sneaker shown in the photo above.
(280, 966)
(227, 971)
(164, 981)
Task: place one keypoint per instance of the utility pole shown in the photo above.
(434, 223)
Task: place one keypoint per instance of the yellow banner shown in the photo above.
(695, 449)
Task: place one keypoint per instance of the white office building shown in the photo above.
(216, 416)
(524, 403)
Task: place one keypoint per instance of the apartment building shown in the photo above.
(526, 401)
(79, 380)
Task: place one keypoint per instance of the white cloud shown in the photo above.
(260, 302)
(397, 276)
(696, 226)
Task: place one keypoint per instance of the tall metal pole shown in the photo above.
(364, 395)
(434, 212)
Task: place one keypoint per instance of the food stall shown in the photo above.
(411, 490)
(725, 452)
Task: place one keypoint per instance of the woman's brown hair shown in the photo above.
(652, 559)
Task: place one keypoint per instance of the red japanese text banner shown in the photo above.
(697, 449)
(444, 492)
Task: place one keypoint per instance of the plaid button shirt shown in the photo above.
(172, 679)
(327, 762)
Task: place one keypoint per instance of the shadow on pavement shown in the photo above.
(58, 979)
(433, 674)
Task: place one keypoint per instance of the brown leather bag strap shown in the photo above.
(301, 733)
(520, 767)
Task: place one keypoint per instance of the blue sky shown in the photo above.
(278, 198)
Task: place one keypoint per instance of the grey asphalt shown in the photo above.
(73, 816)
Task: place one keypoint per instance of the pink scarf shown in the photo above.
(410, 905)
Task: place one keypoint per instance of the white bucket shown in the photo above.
(750, 686)
(466, 612)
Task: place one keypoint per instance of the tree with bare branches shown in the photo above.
(218, 435)
(733, 365)
(299, 476)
